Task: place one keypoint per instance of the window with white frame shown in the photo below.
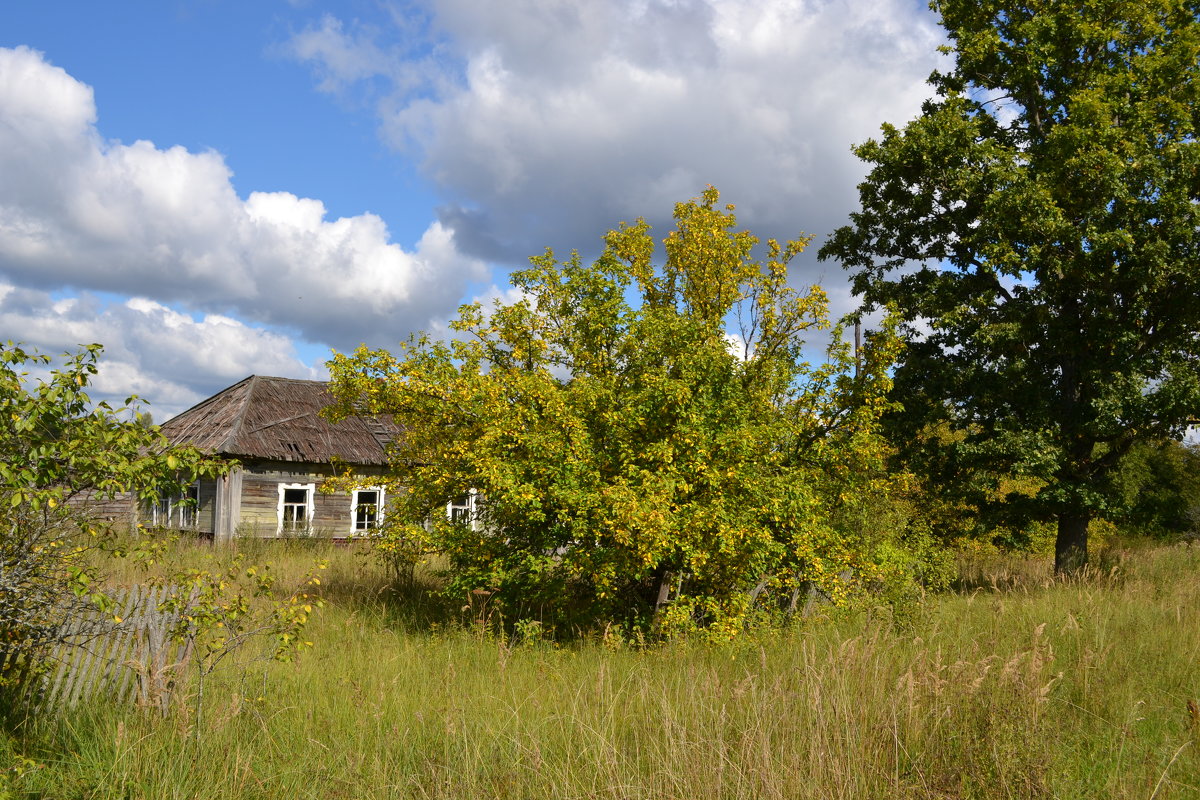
(366, 509)
(295, 507)
(462, 509)
(176, 510)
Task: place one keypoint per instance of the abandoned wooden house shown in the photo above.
(285, 451)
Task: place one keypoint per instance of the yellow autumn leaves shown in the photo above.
(630, 466)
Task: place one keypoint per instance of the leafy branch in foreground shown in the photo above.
(223, 608)
(61, 460)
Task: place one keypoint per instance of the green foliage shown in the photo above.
(218, 609)
(60, 457)
(226, 605)
(957, 510)
(626, 447)
(1037, 227)
(1158, 484)
(17, 770)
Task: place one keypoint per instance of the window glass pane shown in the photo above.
(189, 506)
(366, 512)
(460, 509)
(295, 508)
(162, 511)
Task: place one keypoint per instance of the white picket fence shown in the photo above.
(136, 659)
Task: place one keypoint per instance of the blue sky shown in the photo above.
(220, 76)
(214, 188)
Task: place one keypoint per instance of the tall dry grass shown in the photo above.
(1016, 686)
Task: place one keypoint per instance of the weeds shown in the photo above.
(1016, 686)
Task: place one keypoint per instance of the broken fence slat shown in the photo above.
(83, 656)
(99, 654)
(71, 663)
(124, 641)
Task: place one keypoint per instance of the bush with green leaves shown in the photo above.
(61, 459)
(647, 440)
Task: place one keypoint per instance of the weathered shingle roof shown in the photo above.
(277, 418)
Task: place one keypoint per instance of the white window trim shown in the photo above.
(471, 509)
(354, 504)
(178, 513)
(310, 507)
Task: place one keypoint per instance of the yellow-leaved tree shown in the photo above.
(643, 438)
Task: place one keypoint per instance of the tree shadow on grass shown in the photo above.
(1022, 573)
(415, 603)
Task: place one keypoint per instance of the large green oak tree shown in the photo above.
(1037, 228)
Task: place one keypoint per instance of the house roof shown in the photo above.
(277, 419)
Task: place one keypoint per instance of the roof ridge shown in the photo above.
(236, 428)
(279, 379)
(206, 401)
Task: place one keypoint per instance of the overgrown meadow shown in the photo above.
(1011, 685)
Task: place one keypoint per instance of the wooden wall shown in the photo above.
(259, 507)
(206, 496)
(120, 511)
(246, 502)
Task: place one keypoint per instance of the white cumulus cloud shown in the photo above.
(544, 122)
(77, 210)
(168, 358)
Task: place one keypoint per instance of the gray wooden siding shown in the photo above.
(120, 511)
(253, 507)
(206, 495)
(260, 498)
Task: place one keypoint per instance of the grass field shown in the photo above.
(1013, 686)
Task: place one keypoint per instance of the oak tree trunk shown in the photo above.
(1070, 547)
